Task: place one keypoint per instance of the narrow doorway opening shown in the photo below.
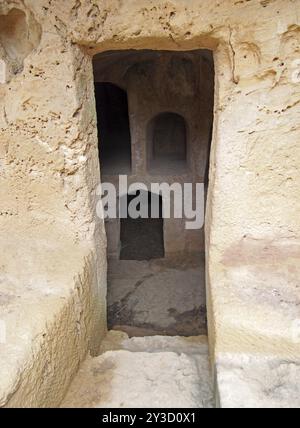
(142, 238)
(157, 131)
(113, 128)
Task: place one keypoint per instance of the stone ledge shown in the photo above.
(257, 381)
(46, 307)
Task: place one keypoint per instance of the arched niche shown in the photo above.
(113, 128)
(167, 143)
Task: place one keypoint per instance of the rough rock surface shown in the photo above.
(160, 297)
(44, 302)
(49, 170)
(273, 383)
(163, 372)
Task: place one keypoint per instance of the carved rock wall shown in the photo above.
(49, 167)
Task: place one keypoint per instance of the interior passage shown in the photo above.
(155, 116)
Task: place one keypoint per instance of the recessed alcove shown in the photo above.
(20, 34)
(113, 128)
(167, 144)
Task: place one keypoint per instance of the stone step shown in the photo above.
(147, 372)
(117, 340)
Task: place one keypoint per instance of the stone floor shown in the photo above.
(158, 297)
(144, 360)
(148, 372)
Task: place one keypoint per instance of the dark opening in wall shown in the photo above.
(156, 267)
(167, 143)
(113, 129)
(142, 238)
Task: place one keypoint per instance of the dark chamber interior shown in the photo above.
(154, 123)
(143, 238)
(113, 128)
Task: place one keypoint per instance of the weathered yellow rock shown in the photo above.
(49, 170)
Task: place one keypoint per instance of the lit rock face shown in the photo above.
(148, 372)
(49, 172)
(20, 34)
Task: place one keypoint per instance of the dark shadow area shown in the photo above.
(167, 143)
(113, 129)
(143, 238)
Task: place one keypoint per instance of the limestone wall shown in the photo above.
(49, 170)
(53, 264)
